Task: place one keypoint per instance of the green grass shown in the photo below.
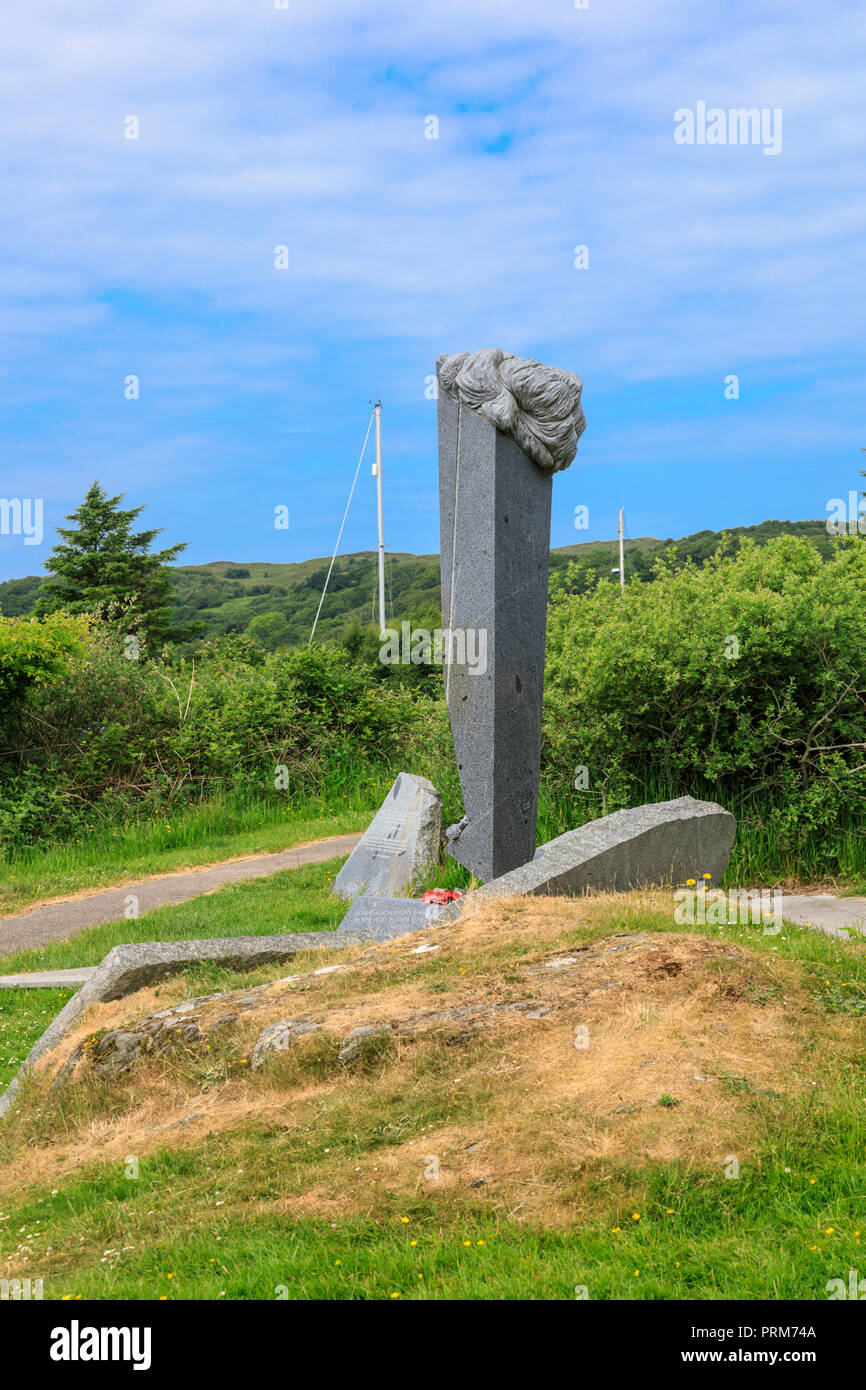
(24, 1016)
(225, 828)
(198, 1226)
(295, 900)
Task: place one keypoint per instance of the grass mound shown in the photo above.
(561, 1093)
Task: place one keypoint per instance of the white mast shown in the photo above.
(621, 551)
(377, 474)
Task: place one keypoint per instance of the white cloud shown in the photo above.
(306, 127)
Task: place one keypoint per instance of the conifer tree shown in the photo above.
(102, 566)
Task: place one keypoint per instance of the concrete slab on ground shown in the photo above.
(825, 912)
(49, 979)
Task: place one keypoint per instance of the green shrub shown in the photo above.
(742, 679)
(34, 651)
(123, 736)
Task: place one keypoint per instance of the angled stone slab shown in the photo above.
(130, 967)
(400, 846)
(661, 842)
(381, 919)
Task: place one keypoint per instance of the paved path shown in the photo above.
(825, 912)
(53, 921)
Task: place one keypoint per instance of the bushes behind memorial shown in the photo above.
(743, 681)
(113, 737)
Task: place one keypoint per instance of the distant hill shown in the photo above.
(18, 596)
(276, 603)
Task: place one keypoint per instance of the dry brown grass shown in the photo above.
(520, 1109)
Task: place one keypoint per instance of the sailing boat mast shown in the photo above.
(377, 474)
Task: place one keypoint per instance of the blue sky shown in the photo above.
(305, 127)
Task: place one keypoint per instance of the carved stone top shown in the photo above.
(536, 406)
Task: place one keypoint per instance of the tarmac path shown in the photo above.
(56, 920)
